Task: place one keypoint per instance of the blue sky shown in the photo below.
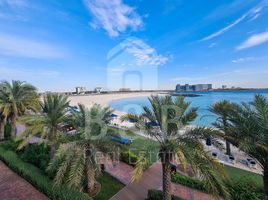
(57, 45)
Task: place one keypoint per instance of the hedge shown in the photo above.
(241, 189)
(158, 195)
(189, 182)
(35, 176)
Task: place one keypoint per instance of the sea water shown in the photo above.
(202, 102)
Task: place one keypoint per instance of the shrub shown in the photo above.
(158, 195)
(36, 154)
(241, 189)
(245, 188)
(129, 158)
(189, 182)
(33, 175)
(10, 145)
(7, 131)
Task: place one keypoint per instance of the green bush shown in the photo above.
(129, 158)
(35, 176)
(189, 182)
(158, 195)
(241, 189)
(245, 188)
(7, 131)
(36, 154)
(10, 145)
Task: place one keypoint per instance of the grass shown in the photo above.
(236, 174)
(140, 144)
(109, 187)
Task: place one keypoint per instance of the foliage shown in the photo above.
(158, 195)
(45, 125)
(36, 154)
(189, 182)
(77, 163)
(245, 188)
(35, 176)
(7, 131)
(164, 121)
(239, 189)
(16, 99)
(129, 158)
(222, 110)
(109, 187)
(10, 145)
(250, 132)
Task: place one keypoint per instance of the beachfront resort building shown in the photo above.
(80, 90)
(193, 88)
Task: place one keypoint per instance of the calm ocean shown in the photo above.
(203, 102)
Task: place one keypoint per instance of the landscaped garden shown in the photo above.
(65, 166)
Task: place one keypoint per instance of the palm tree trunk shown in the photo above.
(166, 169)
(2, 131)
(13, 129)
(265, 181)
(52, 151)
(90, 179)
(228, 148)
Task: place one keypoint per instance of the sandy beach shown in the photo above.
(104, 99)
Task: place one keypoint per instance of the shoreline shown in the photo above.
(105, 99)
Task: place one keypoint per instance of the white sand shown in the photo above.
(105, 99)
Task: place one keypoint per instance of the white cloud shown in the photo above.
(114, 16)
(11, 45)
(254, 40)
(14, 3)
(22, 74)
(240, 60)
(143, 53)
(252, 14)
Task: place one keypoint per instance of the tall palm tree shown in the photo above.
(250, 132)
(45, 124)
(78, 163)
(165, 121)
(222, 110)
(15, 99)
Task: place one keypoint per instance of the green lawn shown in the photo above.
(140, 144)
(109, 187)
(235, 174)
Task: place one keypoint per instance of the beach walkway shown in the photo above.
(13, 187)
(152, 179)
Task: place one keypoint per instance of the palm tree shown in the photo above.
(78, 163)
(222, 110)
(15, 99)
(165, 121)
(45, 124)
(2, 126)
(250, 132)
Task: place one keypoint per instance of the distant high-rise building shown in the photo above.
(193, 88)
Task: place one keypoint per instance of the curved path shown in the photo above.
(152, 179)
(13, 187)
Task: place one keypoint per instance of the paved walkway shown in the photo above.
(138, 191)
(121, 171)
(13, 187)
(151, 179)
